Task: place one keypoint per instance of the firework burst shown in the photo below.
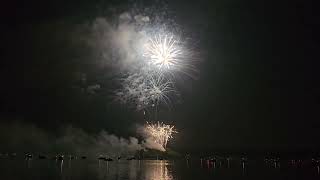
(151, 59)
(163, 51)
(160, 132)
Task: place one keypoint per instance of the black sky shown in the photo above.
(258, 86)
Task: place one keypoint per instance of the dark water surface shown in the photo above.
(145, 170)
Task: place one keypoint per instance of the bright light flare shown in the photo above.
(160, 132)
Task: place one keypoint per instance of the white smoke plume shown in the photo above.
(105, 143)
(149, 141)
(23, 137)
(118, 41)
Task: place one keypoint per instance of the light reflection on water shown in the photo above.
(143, 170)
(158, 170)
(136, 170)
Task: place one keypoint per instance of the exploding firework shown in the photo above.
(146, 60)
(163, 51)
(160, 132)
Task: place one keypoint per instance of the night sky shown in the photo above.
(258, 86)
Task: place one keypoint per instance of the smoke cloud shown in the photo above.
(22, 137)
(116, 42)
(149, 141)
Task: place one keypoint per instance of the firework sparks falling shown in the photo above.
(144, 92)
(160, 132)
(159, 90)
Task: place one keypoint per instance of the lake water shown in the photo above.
(146, 170)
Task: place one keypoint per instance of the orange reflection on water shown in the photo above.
(158, 170)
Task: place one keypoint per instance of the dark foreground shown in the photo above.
(148, 170)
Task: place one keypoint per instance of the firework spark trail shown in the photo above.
(159, 89)
(160, 132)
(144, 91)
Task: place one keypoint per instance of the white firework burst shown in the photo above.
(163, 51)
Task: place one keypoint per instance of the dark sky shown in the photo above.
(258, 85)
